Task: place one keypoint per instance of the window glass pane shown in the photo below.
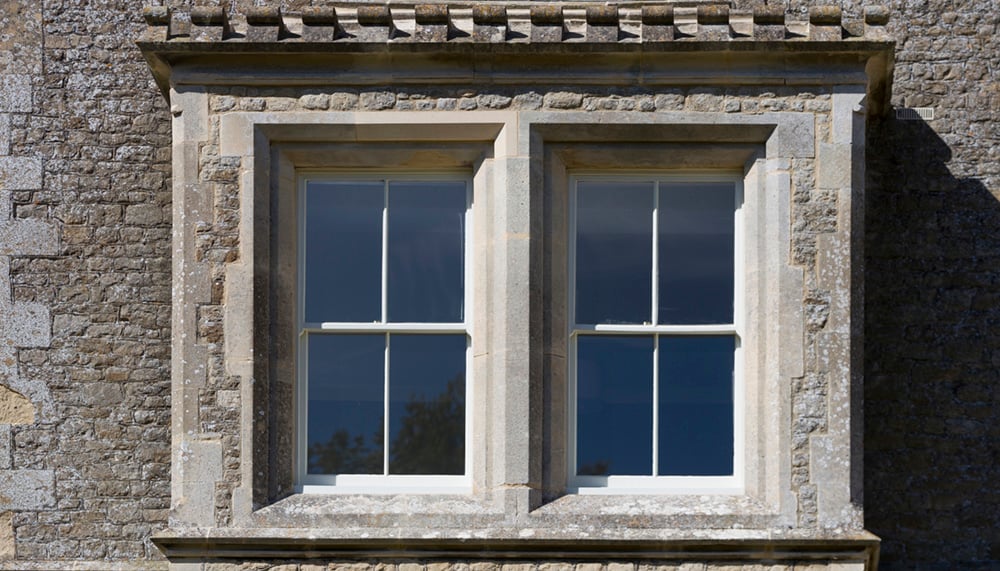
(614, 405)
(343, 251)
(695, 227)
(427, 404)
(346, 409)
(426, 251)
(696, 406)
(614, 252)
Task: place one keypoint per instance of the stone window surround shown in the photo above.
(527, 154)
(530, 518)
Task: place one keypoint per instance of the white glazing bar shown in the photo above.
(385, 411)
(571, 413)
(656, 401)
(711, 329)
(385, 251)
(655, 273)
(380, 327)
(654, 319)
(571, 262)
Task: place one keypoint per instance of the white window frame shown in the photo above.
(384, 483)
(729, 485)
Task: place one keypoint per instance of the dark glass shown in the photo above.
(426, 251)
(696, 405)
(427, 404)
(614, 412)
(346, 410)
(695, 242)
(343, 251)
(614, 252)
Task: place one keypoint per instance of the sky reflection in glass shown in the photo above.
(614, 249)
(695, 245)
(614, 405)
(343, 251)
(426, 251)
(615, 380)
(427, 404)
(346, 392)
(696, 405)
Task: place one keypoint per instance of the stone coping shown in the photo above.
(179, 545)
(513, 23)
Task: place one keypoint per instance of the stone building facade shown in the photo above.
(147, 367)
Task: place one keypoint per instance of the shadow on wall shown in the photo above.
(932, 356)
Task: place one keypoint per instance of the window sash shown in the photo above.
(381, 483)
(612, 484)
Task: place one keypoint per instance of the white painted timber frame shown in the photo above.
(732, 484)
(385, 483)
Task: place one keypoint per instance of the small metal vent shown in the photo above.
(915, 113)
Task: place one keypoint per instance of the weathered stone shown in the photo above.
(15, 408)
(316, 101)
(15, 93)
(563, 100)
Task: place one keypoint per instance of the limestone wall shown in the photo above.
(85, 285)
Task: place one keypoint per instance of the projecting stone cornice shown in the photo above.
(512, 23)
(528, 43)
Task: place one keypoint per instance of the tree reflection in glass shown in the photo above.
(426, 406)
(346, 403)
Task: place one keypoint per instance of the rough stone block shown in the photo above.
(201, 468)
(833, 169)
(264, 24)
(713, 23)
(157, 23)
(432, 23)
(26, 325)
(27, 489)
(796, 136)
(235, 135)
(489, 23)
(190, 107)
(20, 173)
(658, 23)
(15, 93)
(15, 408)
(23, 237)
(825, 23)
(563, 100)
(7, 546)
(546, 24)
(848, 124)
(320, 24)
(209, 24)
(374, 24)
(769, 23)
(4, 134)
(602, 24)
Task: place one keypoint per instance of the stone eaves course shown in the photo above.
(500, 24)
(578, 43)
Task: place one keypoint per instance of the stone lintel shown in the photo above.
(668, 63)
